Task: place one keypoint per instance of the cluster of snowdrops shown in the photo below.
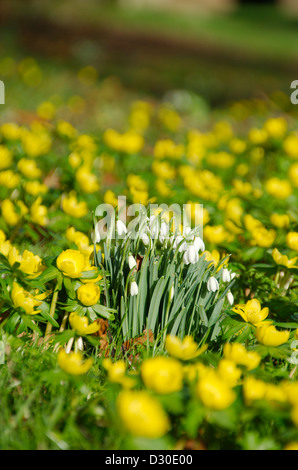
(197, 334)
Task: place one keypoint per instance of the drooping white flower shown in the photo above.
(191, 255)
(96, 234)
(131, 262)
(230, 298)
(171, 294)
(212, 284)
(179, 239)
(145, 239)
(121, 228)
(134, 288)
(226, 276)
(164, 232)
(199, 244)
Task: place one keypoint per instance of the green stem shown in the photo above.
(52, 312)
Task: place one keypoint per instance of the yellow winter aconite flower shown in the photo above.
(35, 144)
(251, 311)
(29, 168)
(117, 373)
(29, 263)
(88, 182)
(46, 110)
(281, 189)
(293, 174)
(71, 263)
(290, 146)
(184, 349)
(276, 127)
(38, 212)
(81, 324)
(214, 392)
(9, 179)
(280, 220)
(10, 131)
(5, 157)
(9, 213)
(263, 237)
(267, 334)
(35, 187)
(162, 374)
(142, 415)
(237, 353)
(292, 240)
(229, 372)
(253, 389)
(110, 198)
(22, 298)
(283, 259)
(88, 294)
(73, 363)
(73, 207)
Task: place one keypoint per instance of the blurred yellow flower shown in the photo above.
(81, 324)
(29, 168)
(280, 220)
(214, 392)
(267, 334)
(73, 363)
(5, 157)
(72, 207)
(237, 353)
(283, 259)
(184, 349)
(292, 240)
(280, 189)
(142, 415)
(9, 213)
(162, 374)
(39, 212)
(229, 372)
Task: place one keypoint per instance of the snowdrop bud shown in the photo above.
(121, 228)
(131, 262)
(134, 288)
(230, 298)
(226, 277)
(145, 239)
(199, 244)
(171, 295)
(164, 230)
(233, 275)
(212, 284)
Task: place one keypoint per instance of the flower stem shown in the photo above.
(52, 311)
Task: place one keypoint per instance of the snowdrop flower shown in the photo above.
(212, 284)
(145, 239)
(134, 288)
(121, 228)
(191, 255)
(230, 298)
(177, 241)
(226, 276)
(233, 275)
(131, 262)
(199, 244)
(164, 231)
